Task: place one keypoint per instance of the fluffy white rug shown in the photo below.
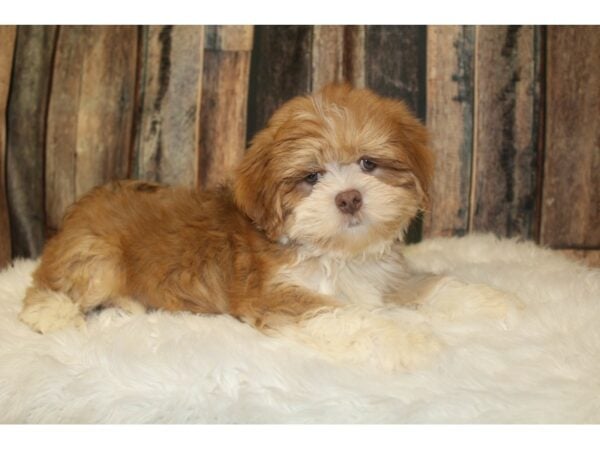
(544, 366)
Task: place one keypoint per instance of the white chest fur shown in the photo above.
(357, 280)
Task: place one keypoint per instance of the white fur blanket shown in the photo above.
(181, 368)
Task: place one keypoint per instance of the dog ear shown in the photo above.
(256, 187)
(414, 142)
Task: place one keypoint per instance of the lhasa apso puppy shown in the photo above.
(308, 232)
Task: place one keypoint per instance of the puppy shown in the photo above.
(312, 223)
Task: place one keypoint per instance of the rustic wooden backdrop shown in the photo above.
(514, 115)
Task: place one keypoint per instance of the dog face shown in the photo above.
(343, 171)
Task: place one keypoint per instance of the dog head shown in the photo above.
(342, 171)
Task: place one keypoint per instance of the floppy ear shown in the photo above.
(414, 140)
(256, 187)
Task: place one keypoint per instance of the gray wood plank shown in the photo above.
(26, 138)
(450, 54)
(170, 88)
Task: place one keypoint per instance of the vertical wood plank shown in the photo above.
(280, 69)
(507, 97)
(354, 55)
(395, 67)
(170, 88)
(571, 190)
(450, 122)
(90, 112)
(26, 137)
(338, 55)
(395, 63)
(224, 101)
(7, 46)
(327, 55)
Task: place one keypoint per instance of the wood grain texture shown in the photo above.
(280, 69)
(571, 191)
(354, 55)
(26, 138)
(327, 55)
(7, 46)
(590, 258)
(229, 38)
(450, 122)
(507, 98)
(170, 88)
(224, 102)
(395, 61)
(338, 55)
(90, 112)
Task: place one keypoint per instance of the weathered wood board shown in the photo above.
(327, 55)
(450, 79)
(280, 69)
(26, 139)
(505, 151)
(224, 101)
(169, 95)
(571, 191)
(90, 112)
(7, 46)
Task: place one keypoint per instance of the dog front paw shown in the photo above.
(388, 339)
(453, 299)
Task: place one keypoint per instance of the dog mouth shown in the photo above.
(353, 222)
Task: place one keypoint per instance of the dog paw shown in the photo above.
(453, 299)
(46, 311)
(387, 339)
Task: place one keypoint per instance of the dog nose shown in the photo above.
(349, 202)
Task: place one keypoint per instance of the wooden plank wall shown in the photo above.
(450, 78)
(27, 112)
(572, 162)
(7, 49)
(513, 113)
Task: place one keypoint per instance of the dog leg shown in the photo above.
(387, 338)
(281, 306)
(453, 299)
(450, 298)
(390, 339)
(69, 282)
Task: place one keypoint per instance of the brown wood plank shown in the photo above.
(327, 55)
(590, 258)
(338, 55)
(395, 67)
(224, 101)
(90, 112)
(26, 138)
(571, 188)
(7, 46)
(450, 122)
(280, 69)
(507, 100)
(170, 88)
(354, 55)
(226, 38)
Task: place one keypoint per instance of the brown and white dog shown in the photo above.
(312, 223)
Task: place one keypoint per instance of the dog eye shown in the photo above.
(367, 165)
(312, 178)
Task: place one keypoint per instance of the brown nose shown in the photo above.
(349, 202)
